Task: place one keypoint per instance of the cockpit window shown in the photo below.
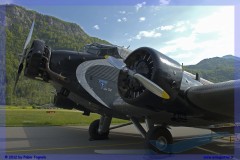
(92, 49)
(107, 50)
(124, 52)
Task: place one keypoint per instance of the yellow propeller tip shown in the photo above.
(165, 95)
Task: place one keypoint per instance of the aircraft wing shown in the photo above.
(202, 80)
(217, 98)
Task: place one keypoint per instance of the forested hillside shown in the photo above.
(217, 69)
(55, 32)
(64, 35)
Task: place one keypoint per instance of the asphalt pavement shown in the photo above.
(75, 140)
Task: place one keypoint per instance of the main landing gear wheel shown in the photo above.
(93, 131)
(159, 139)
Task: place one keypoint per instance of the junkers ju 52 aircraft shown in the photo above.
(141, 86)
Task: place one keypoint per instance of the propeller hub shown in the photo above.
(143, 68)
(130, 87)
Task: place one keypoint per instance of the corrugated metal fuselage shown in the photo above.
(92, 84)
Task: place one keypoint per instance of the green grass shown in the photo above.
(42, 117)
(18, 107)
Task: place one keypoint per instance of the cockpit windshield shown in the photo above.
(107, 50)
(123, 52)
(91, 49)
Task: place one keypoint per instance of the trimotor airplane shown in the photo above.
(143, 85)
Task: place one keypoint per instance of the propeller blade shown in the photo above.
(15, 84)
(23, 56)
(29, 36)
(152, 87)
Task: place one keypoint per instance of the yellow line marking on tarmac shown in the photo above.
(66, 148)
(207, 150)
(125, 134)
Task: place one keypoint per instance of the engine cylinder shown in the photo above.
(155, 66)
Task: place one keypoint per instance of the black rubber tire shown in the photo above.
(93, 131)
(159, 132)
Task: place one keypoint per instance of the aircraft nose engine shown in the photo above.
(155, 66)
(35, 60)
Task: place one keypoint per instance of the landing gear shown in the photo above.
(93, 131)
(159, 139)
(99, 129)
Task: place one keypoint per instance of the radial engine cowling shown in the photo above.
(34, 60)
(158, 68)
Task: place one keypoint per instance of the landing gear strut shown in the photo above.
(99, 129)
(158, 138)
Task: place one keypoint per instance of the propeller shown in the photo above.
(152, 87)
(23, 56)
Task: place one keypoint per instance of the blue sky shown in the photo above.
(180, 29)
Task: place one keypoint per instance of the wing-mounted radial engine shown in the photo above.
(43, 63)
(158, 68)
(35, 60)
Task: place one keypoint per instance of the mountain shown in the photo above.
(217, 69)
(64, 35)
(231, 57)
(56, 33)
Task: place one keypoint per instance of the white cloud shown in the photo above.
(219, 21)
(155, 8)
(182, 26)
(140, 5)
(168, 49)
(96, 27)
(211, 36)
(166, 28)
(190, 51)
(122, 12)
(180, 29)
(142, 19)
(164, 2)
(147, 34)
(154, 33)
(184, 55)
(130, 39)
(184, 43)
(180, 23)
(124, 19)
(6, 1)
